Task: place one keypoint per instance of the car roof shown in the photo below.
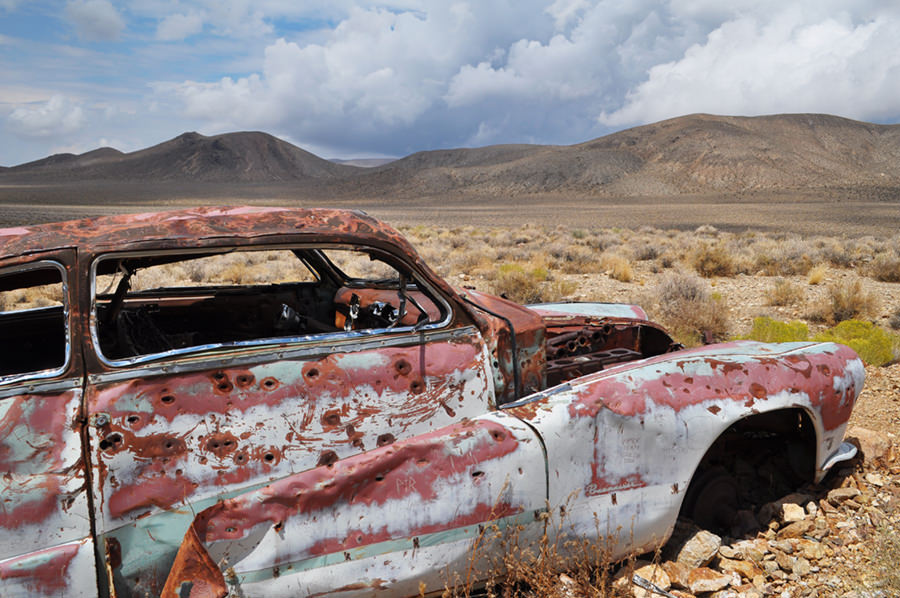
(181, 228)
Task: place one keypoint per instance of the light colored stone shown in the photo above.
(704, 579)
(876, 447)
(796, 529)
(875, 479)
(745, 569)
(811, 550)
(840, 495)
(729, 552)
(654, 574)
(801, 566)
(678, 573)
(791, 512)
(785, 562)
(699, 550)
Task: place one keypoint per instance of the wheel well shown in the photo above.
(765, 456)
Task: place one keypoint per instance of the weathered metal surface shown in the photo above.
(64, 571)
(170, 442)
(392, 521)
(644, 427)
(593, 310)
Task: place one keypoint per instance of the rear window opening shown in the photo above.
(153, 304)
(33, 320)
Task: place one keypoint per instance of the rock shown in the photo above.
(785, 562)
(729, 552)
(876, 447)
(745, 569)
(791, 512)
(875, 479)
(784, 546)
(812, 508)
(680, 594)
(654, 574)
(839, 495)
(703, 579)
(678, 573)
(699, 549)
(796, 529)
(801, 566)
(810, 550)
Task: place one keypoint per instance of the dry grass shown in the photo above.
(844, 301)
(689, 309)
(817, 274)
(785, 292)
(617, 267)
(885, 267)
(712, 259)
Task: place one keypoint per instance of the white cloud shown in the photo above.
(782, 64)
(96, 20)
(56, 117)
(179, 26)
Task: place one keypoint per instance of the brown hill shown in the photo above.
(250, 157)
(696, 154)
(691, 154)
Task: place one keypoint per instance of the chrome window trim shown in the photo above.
(52, 372)
(309, 339)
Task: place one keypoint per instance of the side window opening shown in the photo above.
(155, 304)
(33, 320)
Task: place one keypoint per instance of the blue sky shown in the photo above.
(356, 78)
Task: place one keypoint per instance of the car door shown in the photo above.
(47, 548)
(175, 432)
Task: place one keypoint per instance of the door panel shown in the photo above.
(44, 512)
(165, 445)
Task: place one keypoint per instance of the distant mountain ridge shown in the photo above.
(694, 154)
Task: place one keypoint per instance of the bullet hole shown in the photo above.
(219, 376)
(416, 386)
(498, 435)
(422, 462)
(179, 472)
(331, 418)
(312, 373)
(269, 457)
(379, 477)
(269, 383)
(327, 458)
(520, 471)
(244, 380)
(614, 499)
(230, 529)
(477, 474)
(385, 439)
(240, 458)
(133, 419)
(167, 399)
(279, 526)
(403, 367)
(111, 442)
(224, 386)
(359, 539)
(169, 444)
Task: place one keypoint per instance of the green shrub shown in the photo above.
(873, 344)
(769, 330)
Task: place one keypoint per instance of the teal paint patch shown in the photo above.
(386, 547)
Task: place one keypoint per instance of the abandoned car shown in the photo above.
(289, 402)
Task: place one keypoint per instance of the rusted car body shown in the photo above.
(287, 402)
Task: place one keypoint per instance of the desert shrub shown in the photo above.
(617, 267)
(784, 258)
(885, 267)
(873, 344)
(785, 292)
(689, 310)
(520, 284)
(845, 301)
(817, 274)
(768, 330)
(894, 320)
(645, 250)
(712, 260)
(578, 259)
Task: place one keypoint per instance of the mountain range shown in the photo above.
(695, 154)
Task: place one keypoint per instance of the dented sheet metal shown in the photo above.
(387, 521)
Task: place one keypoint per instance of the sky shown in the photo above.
(359, 78)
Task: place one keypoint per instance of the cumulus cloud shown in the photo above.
(179, 26)
(56, 117)
(95, 20)
(784, 64)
